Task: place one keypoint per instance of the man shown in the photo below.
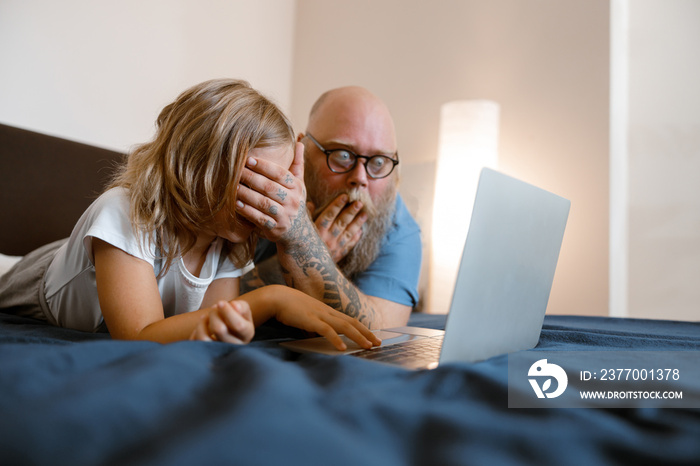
(364, 257)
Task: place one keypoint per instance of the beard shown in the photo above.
(380, 215)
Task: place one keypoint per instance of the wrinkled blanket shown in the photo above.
(74, 398)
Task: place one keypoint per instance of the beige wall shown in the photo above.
(664, 159)
(546, 63)
(99, 71)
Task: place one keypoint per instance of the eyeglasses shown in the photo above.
(344, 161)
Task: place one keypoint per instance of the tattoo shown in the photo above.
(310, 256)
(282, 194)
(266, 273)
(250, 281)
(269, 224)
(325, 223)
(273, 210)
(289, 179)
(335, 232)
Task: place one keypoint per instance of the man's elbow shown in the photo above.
(392, 314)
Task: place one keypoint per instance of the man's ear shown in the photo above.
(297, 167)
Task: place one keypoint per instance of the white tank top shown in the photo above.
(70, 289)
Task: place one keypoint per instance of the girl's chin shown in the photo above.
(242, 231)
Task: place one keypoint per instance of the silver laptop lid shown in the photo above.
(507, 269)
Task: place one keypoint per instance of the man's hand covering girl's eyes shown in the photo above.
(272, 197)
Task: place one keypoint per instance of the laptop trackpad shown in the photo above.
(422, 331)
(321, 345)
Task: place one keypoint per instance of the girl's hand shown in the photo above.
(230, 322)
(271, 196)
(307, 313)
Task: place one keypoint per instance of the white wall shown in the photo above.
(99, 71)
(664, 159)
(546, 62)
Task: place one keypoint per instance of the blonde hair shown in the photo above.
(189, 172)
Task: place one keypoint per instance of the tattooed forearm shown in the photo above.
(267, 272)
(308, 265)
(250, 281)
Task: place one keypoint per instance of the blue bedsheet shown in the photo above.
(74, 398)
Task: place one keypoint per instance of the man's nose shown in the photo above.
(357, 177)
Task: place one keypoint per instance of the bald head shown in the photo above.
(353, 119)
(354, 115)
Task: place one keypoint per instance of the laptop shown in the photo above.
(503, 283)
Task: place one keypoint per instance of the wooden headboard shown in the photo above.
(45, 185)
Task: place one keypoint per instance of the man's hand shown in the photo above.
(340, 225)
(271, 196)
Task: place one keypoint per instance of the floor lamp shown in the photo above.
(468, 142)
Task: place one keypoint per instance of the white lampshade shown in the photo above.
(468, 142)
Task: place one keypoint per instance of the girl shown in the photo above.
(159, 254)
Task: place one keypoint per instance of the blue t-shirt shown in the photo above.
(394, 273)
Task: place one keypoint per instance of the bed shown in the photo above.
(75, 398)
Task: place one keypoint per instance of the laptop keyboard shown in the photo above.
(412, 353)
